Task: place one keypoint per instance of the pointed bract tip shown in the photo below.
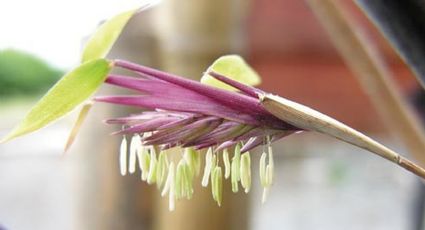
(261, 96)
(111, 63)
(5, 139)
(11, 135)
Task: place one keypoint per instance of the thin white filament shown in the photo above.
(134, 145)
(263, 169)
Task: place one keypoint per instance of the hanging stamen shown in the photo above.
(139, 151)
(214, 164)
(266, 172)
(271, 161)
(123, 156)
(217, 185)
(207, 169)
(191, 157)
(170, 177)
(152, 166)
(266, 188)
(235, 168)
(226, 161)
(188, 181)
(263, 169)
(161, 170)
(245, 171)
(134, 145)
(146, 158)
(213, 176)
(179, 182)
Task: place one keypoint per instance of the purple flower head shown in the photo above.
(191, 114)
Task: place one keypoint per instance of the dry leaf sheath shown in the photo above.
(309, 119)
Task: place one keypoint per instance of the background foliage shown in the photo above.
(24, 74)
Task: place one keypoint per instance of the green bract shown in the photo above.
(74, 88)
(104, 38)
(233, 67)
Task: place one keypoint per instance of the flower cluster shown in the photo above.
(194, 116)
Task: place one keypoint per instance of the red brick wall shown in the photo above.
(294, 56)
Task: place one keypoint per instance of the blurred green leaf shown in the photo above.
(24, 74)
(104, 38)
(74, 88)
(234, 67)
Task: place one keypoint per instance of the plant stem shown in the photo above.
(306, 118)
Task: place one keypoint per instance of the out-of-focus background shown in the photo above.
(320, 183)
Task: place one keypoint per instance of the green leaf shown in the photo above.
(73, 89)
(104, 38)
(234, 67)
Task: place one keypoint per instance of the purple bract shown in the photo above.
(188, 113)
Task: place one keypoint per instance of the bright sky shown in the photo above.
(54, 29)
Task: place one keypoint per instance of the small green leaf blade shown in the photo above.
(234, 67)
(104, 38)
(73, 89)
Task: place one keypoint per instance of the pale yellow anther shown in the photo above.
(235, 169)
(145, 158)
(262, 169)
(152, 167)
(271, 165)
(188, 181)
(192, 159)
(217, 185)
(179, 182)
(245, 171)
(161, 170)
(213, 185)
(170, 176)
(134, 145)
(140, 149)
(266, 172)
(214, 164)
(227, 167)
(207, 169)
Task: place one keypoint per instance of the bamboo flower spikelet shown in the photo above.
(194, 116)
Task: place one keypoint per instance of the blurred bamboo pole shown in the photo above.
(192, 34)
(402, 23)
(108, 200)
(369, 68)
